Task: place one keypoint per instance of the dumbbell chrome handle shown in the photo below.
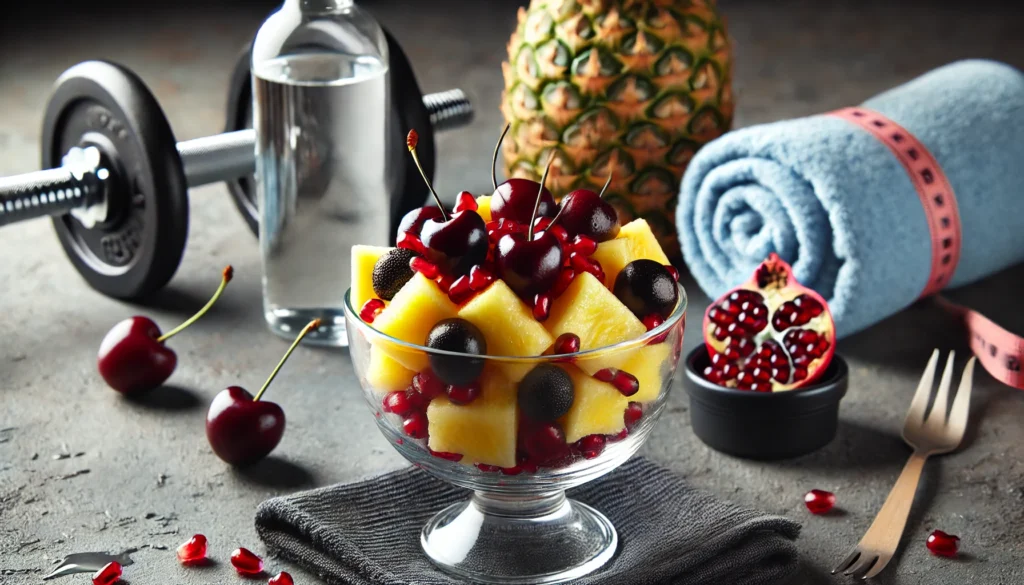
(220, 157)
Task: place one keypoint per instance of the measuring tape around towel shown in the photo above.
(998, 350)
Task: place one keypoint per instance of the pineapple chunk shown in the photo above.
(483, 207)
(508, 327)
(592, 312)
(384, 374)
(613, 256)
(642, 241)
(597, 409)
(414, 310)
(646, 364)
(483, 431)
(363, 259)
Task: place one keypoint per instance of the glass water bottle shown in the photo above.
(321, 108)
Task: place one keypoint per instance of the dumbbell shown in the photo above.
(117, 182)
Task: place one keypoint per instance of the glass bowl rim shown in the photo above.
(671, 321)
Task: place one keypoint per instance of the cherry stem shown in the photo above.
(411, 140)
(224, 280)
(606, 183)
(494, 159)
(314, 324)
(540, 191)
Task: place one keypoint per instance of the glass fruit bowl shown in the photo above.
(520, 432)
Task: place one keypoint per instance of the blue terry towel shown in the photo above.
(836, 203)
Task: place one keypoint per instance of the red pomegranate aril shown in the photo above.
(744, 380)
(415, 425)
(819, 501)
(634, 412)
(109, 574)
(281, 578)
(511, 470)
(410, 242)
(761, 387)
(192, 550)
(370, 310)
(652, 321)
(590, 446)
(461, 290)
(542, 306)
(464, 201)
(581, 263)
(463, 394)
(942, 544)
(545, 444)
(584, 245)
(487, 468)
(445, 282)
(424, 267)
(427, 385)
(623, 381)
(618, 436)
(712, 375)
(566, 343)
(672, 270)
(246, 562)
(479, 279)
(397, 403)
(446, 455)
(565, 278)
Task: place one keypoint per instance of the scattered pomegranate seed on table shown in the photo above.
(281, 578)
(246, 562)
(193, 550)
(819, 501)
(943, 545)
(108, 575)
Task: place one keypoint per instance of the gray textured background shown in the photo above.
(793, 58)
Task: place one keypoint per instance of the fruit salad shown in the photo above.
(494, 316)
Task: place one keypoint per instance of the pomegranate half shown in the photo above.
(770, 333)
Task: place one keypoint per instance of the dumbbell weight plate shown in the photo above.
(138, 248)
(409, 113)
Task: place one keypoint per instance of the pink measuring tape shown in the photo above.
(998, 350)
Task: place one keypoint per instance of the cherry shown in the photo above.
(546, 393)
(514, 199)
(281, 578)
(109, 574)
(585, 213)
(819, 501)
(646, 288)
(942, 544)
(193, 550)
(457, 336)
(413, 221)
(246, 562)
(242, 429)
(133, 356)
(391, 272)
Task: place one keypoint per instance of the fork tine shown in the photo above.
(924, 389)
(937, 415)
(962, 402)
(850, 558)
(880, 564)
(862, 565)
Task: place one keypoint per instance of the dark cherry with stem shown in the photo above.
(585, 213)
(241, 428)
(513, 200)
(530, 264)
(133, 355)
(454, 244)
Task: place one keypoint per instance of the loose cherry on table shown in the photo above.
(241, 428)
(133, 355)
(453, 244)
(513, 200)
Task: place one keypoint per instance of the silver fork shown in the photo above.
(930, 433)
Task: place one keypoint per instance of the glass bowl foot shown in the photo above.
(499, 538)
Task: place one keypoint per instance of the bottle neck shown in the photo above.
(321, 5)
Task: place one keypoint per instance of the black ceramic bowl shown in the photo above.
(764, 425)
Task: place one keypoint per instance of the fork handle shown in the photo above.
(892, 518)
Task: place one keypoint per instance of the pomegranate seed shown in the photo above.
(653, 321)
(479, 279)
(246, 562)
(560, 233)
(464, 201)
(511, 470)
(399, 441)
(461, 290)
(193, 550)
(565, 278)
(417, 401)
(634, 411)
(281, 578)
(428, 385)
(584, 245)
(942, 544)
(445, 282)
(591, 446)
(415, 425)
(623, 381)
(566, 343)
(541, 306)
(463, 394)
(411, 242)
(672, 270)
(819, 501)
(487, 468)
(545, 444)
(424, 267)
(107, 575)
(581, 263)
(371, 308)
(761, 387)
(712, 375)
(397, 403)
(446, 455)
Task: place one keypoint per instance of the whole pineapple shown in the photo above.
(631, 86)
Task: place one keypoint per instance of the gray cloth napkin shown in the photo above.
(368, 533)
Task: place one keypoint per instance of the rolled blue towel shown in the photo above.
(836, 203)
